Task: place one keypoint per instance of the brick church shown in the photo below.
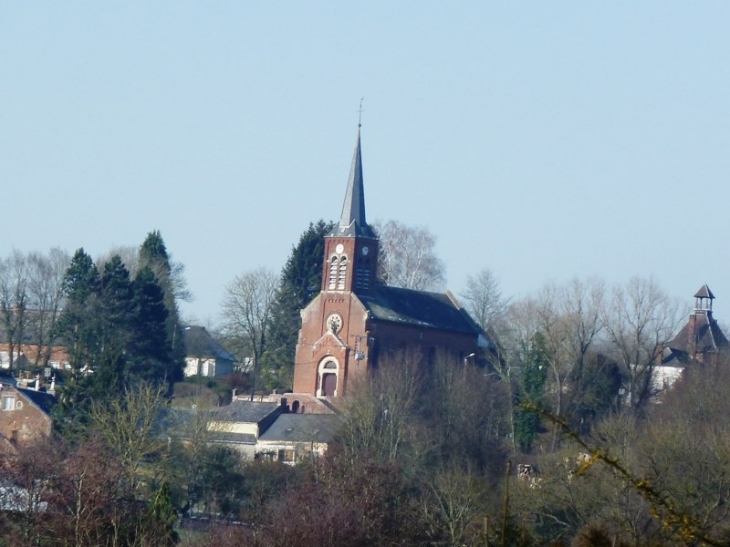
(355, 320)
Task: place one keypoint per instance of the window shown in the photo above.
(333, 272)
(9, 403)
(363, 278)
(343, 273)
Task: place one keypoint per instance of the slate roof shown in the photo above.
(419, 308)
(352, 221)
(710, 339)
(44, 401)
(250, 412)
(320, 428)
(199, 343)
(233, 438)
(704, 292)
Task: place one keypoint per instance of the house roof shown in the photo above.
(233, 438)
(199, 343)
(40, 399)
(251, 412)
(44, 401)
(320, 428)
(419, 308)
(709, 336)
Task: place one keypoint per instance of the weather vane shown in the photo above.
(359, 113)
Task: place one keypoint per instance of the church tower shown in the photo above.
(332, 346)
(351, 249)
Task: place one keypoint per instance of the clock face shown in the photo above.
(365, 250)
(339, 248)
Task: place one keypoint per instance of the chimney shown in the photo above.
(692, 335)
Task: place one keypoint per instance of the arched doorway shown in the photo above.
(327, 381)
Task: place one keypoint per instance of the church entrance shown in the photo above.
(328, 370)
(329, 384)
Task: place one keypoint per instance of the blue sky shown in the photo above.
(542, 140)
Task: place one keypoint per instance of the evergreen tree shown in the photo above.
(117, 326)
(533, 376)
(152, 359)
(79, 331)
(301, 280)
(153, 254)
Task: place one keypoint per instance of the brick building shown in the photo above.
(701, 339)
(355, 320)
(25, 415)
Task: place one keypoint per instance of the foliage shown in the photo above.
(299, 283)
(170, 276)
(533, 376)
(117, 333)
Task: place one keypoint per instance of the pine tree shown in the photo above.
(117, 325)
(152, 359)
(301, 280)
(79, 330)
(153, 254)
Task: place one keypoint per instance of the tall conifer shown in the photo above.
(301, 280)
(153, 254)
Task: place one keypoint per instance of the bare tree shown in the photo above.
(484, 299)
(568, 320)
(381, 415)
(407, 257)
(640, 319)
(127, 424)
(45, 284)
(247, 313)
(13, 301)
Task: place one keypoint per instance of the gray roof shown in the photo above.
(419, 308)
(44, 401)
(199, 343)
(708, 335)
(320, 428)
(352, 221)
(704, 292)
(250, 412)
(233, 438)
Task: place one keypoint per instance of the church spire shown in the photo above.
(352, 220)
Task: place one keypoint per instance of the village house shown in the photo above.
(700, 340)
(270, 431)
(204, 355)
(26, 356)
(25, 415)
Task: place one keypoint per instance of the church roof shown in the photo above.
(419, 308)
(352, 221)
(710, 339)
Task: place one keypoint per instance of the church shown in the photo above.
(355, 321)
